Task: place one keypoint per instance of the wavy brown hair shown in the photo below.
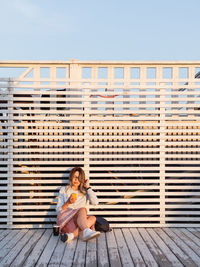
(81, 178)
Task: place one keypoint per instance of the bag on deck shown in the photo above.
(102, 225)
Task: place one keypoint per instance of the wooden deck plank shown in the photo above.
(188, 241)
(3, 234)
(10, 244)
(48, 251)
(145, 252)
(8, 237)
(194, 238)
(91, 253)
(38, 249)
(57, 254)
(69, 253)
(21, 257)
(13, 253)
(79, 257)
(167, 252)
(102, 253)
(179, 242)
(154, 248)
(195, 231)
(124, 253)
(133, 249)
(113, 254)
(185, 259)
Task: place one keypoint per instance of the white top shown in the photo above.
(66, 191)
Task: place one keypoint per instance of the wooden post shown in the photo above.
(87, 131)
(10, 156)
(162, 149)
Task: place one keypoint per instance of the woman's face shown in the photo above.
(75, 181)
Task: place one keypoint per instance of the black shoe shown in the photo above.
(64, 237)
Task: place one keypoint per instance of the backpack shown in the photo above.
(102, 225)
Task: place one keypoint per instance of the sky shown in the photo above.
(127, 30)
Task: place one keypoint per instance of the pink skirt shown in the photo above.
(65, 220)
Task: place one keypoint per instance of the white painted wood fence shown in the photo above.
(133, 126)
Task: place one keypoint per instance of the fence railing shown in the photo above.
(133, 127)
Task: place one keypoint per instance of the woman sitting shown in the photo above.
(71, 207)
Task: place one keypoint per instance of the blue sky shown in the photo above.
(100, 30)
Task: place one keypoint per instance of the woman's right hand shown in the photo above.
(72, 198)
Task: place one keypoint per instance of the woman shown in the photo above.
(71, 207)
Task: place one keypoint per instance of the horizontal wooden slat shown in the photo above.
(182, 199)
(96, 105)
(50, 194)
(106, 174)
(81, 161)
(179, 193)
(126, 130)
(50, 199)
(98, 139)
(88, 85)
(67, 92)
(104, 187)
(99, 123)
(117, 112)
(92, 156)
(27, 168)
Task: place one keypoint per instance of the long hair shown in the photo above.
(81, 178)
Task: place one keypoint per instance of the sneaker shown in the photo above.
(66, 237)
(89, 234)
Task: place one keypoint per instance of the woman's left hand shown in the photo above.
(86, 184)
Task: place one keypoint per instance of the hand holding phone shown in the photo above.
(73, 198)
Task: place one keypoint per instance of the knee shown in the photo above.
(93, 218)
(82, 210)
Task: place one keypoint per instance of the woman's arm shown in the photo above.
(65, 205)
(62, 204)
(92, 196)
(61, 200)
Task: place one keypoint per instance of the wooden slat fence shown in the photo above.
(133, 127)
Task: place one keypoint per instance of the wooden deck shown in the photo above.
(121, 247)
